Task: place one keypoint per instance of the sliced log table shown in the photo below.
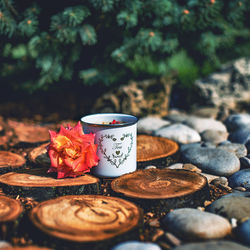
(89, 221)
(39, 155)
(153, 150)
(10, 210)
(29, 133)
(40, 185)
(10, 162)
(159, 190)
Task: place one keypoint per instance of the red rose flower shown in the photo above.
(72, 153)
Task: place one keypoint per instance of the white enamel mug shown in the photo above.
(116, 142)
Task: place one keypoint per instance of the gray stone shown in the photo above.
(237, 121)
(176, 118)
(240, 135)
(237, 193)
(247, 144)
(193, 224)
(212, 160)
(149, 124)
(231, 207)
(176, 166)
(208, 145)
(206, 112)
(197, 145)
(212, 245)
(179, 133)
(201, 124)
(227, 87)
(239, 149)
(221, 180)
(214, 136)
(243, 232)
(136, 245)
(210, 177)
(240, 179)
(225, 142)
(245, 162)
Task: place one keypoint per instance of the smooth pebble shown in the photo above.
(149, 124)
(214, 136)
(239, 149)
(212, 160)
(136, 245)
(245, 162)
(231, 207)
(179, 133)
(193, 224)
(202, 124)
(243, 232)
(212, 245)
(237, 121)
(240, 179)
(241, 135)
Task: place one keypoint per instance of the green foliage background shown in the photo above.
(111, 41)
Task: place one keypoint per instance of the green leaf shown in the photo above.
(87, 34)
(19, 51)
(88, 74)
(185, 67)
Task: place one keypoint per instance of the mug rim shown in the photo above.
(93, 124)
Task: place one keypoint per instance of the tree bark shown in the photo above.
(87, 221)
(10, 162)
(40, 185)
(159, 190)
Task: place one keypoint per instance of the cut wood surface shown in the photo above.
(86, 218)
(40, 185)
(39, 155)
(32, 247)
(29, 133)
(10, 161)
(173, 188)
(10, 209)
(152, 147)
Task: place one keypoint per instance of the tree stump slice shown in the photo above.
(31, 247)
(10, 162)
(160, 190)
(6, 134)
(29, 133)
(40, 185)
(10, 210)
(153, 150)
(39, 156)
(90, 221)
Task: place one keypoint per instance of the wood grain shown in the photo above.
(10, 161)
(167, 187)
(10, 209)
(86, 218)
(152, 147)
(40, 185)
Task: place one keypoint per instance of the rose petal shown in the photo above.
(54, 157)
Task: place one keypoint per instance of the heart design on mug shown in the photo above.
(118, 157)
